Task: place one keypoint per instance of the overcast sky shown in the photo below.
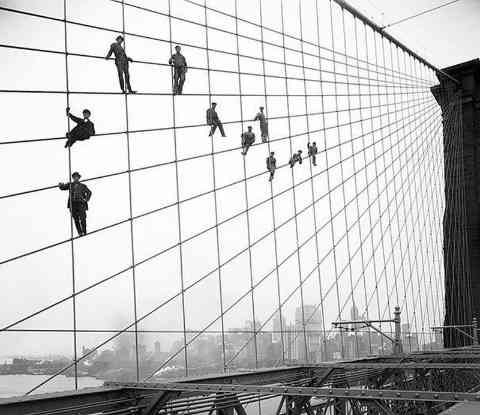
(445, 37)
(410, 143)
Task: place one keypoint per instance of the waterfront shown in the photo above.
(15, 385)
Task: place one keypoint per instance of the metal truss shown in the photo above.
(426, 383)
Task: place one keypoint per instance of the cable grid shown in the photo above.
(189, 244)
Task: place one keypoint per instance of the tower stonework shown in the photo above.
(460, 104)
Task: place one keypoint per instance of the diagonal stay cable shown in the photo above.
(175, 245)
(11, 259)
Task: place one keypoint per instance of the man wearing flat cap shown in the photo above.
(83, 130)
(79, 195)
(121, 61)
(214, 121)
(263, 124)
(179, 63)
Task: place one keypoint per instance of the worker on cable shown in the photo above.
(213, 121)
(79, 195)
(248, 138)
(271, 165)
(312, 152)
(263, 124)
(121, 61)
(179, 64)
(82, 131)
(295, 157)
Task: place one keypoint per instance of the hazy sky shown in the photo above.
(445, 37)
(387, 257)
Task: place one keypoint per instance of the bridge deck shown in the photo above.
(447, 377)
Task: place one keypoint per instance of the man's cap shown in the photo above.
(262, 108)
(272, 153)
(178, 46)
(214, 103)
(249, 126)
(299, 151)
(87, 110)
(119, 37)
(76, 173)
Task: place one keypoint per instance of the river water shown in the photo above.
(15, 385)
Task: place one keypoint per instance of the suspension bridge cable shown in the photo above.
(281, 33)
(72, 247)
(141, 37)
(275, 241)
(329, 191)
(374, 249)
(137, 216)
(391, 129)
(215, 200)
(190, 341)
(406, 19)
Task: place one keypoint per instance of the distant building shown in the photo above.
(278, 327)
(157, 351)
(312, 333)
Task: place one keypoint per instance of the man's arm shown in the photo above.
(109, 52)
(170, 61)
(88, 193)
(75, 119)
(257, 117)
(63, 186)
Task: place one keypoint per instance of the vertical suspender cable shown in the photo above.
(254, 323)
(345, 216)
(327, 164)
(220, 290)
(394, 184)
(177, 183)
(312, 187)
(400, 227)
(72, 247)
(293, 183)
(375, 272)
(362, 130)
(405, 226)
(275, 243)
(132, 246)
(312, 191)
(377, 177)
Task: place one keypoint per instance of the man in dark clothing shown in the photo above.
(82, 131)
(263, 124)
(312, 152)
(179, 64)
(295, 157)
(248, 138)
(213, 121)
(79, 195)
(271, 165)
(121, 61)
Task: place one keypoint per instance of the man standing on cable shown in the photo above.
(248, 138)
(271, 165)
(295, 157)
(213, 121)
(121, 61)
(179, 64)
(263, 124)
(82, 131)
(79, 195)
(312, 152)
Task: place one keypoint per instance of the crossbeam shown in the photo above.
(345, 393)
